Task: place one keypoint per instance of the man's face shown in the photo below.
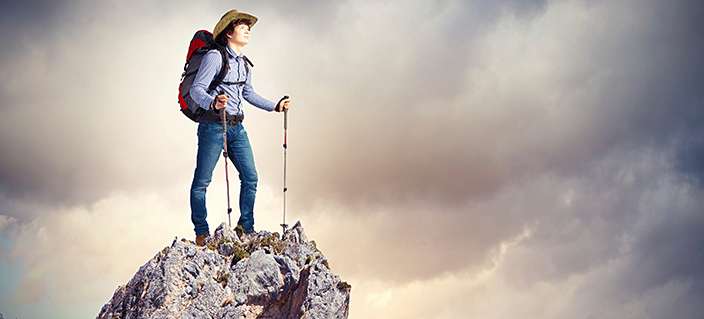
(241, 34)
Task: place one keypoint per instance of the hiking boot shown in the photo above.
(241, 232)
(200, 239)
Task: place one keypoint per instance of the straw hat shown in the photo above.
(230, 16)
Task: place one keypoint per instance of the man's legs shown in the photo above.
(209, 148)
(240, 153)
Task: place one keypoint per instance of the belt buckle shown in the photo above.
(234, 120)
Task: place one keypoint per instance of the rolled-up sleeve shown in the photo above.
(209, 66)
(255, 99)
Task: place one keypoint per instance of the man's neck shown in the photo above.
(236, 47)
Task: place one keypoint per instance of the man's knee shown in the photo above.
(250, 177)
(200, 184)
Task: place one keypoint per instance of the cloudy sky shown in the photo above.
(453, 159)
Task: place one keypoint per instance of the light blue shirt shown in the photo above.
(210, 66)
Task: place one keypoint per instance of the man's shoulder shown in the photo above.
(213, 52)
(213, 56)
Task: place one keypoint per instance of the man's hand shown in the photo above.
(284, 104)
(220, 101)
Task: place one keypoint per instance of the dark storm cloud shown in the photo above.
(404, 131)
(28, 167)
(23, 20)
(24, 25)
(44, 160)
(671, 250)
(688, 89)
(691, 156)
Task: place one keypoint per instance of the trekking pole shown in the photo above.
(224, 154)
(284, 225)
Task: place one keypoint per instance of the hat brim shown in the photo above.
(232, 16)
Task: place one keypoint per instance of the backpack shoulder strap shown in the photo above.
(248, 60)
(247, 65)
(224, 68)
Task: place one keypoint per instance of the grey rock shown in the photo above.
(226, 249)
(257, 276)
(225, 234)
(191, 268)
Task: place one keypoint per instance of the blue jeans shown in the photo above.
(210, 147)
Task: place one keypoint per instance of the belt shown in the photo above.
(211, 116)
(233, 119)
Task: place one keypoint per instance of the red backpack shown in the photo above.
(201, 43)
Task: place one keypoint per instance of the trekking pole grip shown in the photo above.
(285, 113)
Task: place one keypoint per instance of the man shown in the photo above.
(232, 33)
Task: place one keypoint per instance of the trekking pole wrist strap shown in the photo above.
(279, 107)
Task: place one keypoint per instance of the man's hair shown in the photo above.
(222, 37)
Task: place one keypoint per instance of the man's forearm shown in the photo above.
(258, 101)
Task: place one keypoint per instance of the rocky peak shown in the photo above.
(258, 275)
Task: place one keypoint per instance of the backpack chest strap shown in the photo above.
(233, 83)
